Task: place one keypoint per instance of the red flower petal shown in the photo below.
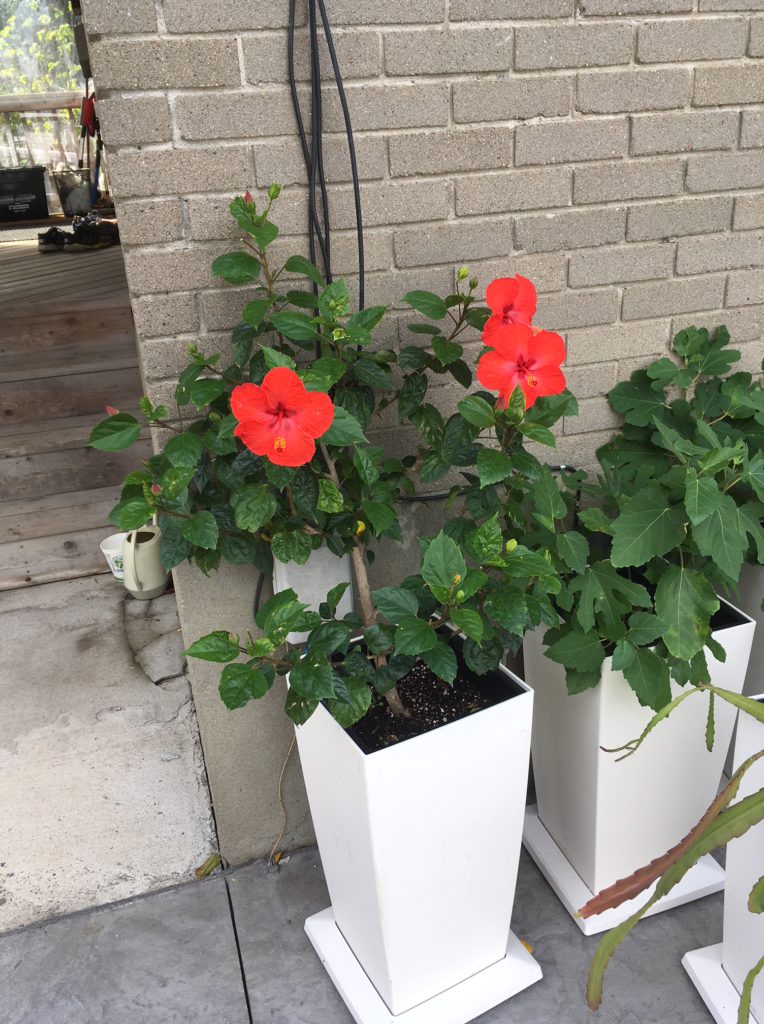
(500, 294)
(547, 349)
(497, 373)
(512, 300)
(550, 380)
(248, 400)
(514, 341)
(282, 385)
(317, 415)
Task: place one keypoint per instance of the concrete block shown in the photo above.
(359, 54)
(507, 191)
(578, 309)
(679, 217)
(724, 171)
(661, 298)
(617, 341)
(394, 12)
(573, 46)
(344, 251)
(745, 323)
(594, 414)
(282, 161)
(749, 212)
(756, 41)
(455, 242)
(465, 149)
(161, 315)
(686, 39)
(234, 115)
(633, 179)
(595, 8)
(163, 359)
(388, 289)
(590, 381)
(388, 105)
(442, 51)
(147, 221)
(165, 63)
(563, 142)
(391, 202)
(622, 263)
(165, 270)
(222, 308)
(575, 229)
(731, 5)
(119, 17)
(163, 657)
(135, 120)
(613, 92)
(720, 252)
(187, 16)
(505, 10)
(729, 84)
(512, 99)
(745, 288)
(683, 132)
(548, 271)
(177, 171)
(752, 129)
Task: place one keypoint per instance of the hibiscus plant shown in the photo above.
(676, 512)
(276, 461)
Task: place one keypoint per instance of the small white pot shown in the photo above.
(606, 818)
(420, 844)
(719, 971)
(313, 581)
(111, 549)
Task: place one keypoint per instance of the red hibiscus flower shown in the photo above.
(279, 419)
(512, 300)
(521, 357)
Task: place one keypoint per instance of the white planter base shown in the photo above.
(457, 1005)
(716, 990)
(706, 878)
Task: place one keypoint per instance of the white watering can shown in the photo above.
(144, 575)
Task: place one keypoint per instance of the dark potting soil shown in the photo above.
(431, 703)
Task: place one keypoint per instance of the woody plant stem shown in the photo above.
(363, 592)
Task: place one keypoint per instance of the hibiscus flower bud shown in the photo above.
(462, 273)
(156, 489)
(274, 191)
(248, 198)
(510, 546)
(460, 595)
(111, 410)
(360, 527)
(473, 283)
(457, 579)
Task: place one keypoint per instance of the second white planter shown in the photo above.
(598, 819)
(719, 971)
(420, 844)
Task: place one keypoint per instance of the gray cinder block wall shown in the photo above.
(611, 150)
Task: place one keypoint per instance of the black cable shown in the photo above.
(351, 151)
(259, 592)
(317, 135)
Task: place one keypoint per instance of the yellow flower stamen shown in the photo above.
(279, 444)
(532, 380)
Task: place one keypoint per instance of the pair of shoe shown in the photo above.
(88, 232)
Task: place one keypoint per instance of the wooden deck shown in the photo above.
(67, 348)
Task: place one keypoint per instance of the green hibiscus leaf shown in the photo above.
(468, 622)
(685, 602)
(427, 303)
(299, 708)
(219, 646)
(493, 466)
(345, 429)
(395, 603)
(411, 395)
(443, 564)
(130, 513)
(299, 265)
(236, 267)
(414, 636)
(239, 684)
(184, 450)
(115, 433)
(353, 700)
(477, 411)
(202, 530)
(295, 326)
(254, 506)
(646, 528)
(291, 546)
(483, 658)
(441, 660)
(329, 497)
(648, 676)
(312, 677)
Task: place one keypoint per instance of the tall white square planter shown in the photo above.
(313, 581)
(598, 819)
(420, 844)
(719, 971)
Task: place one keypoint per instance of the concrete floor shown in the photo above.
(183, 955)
(102, 783)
